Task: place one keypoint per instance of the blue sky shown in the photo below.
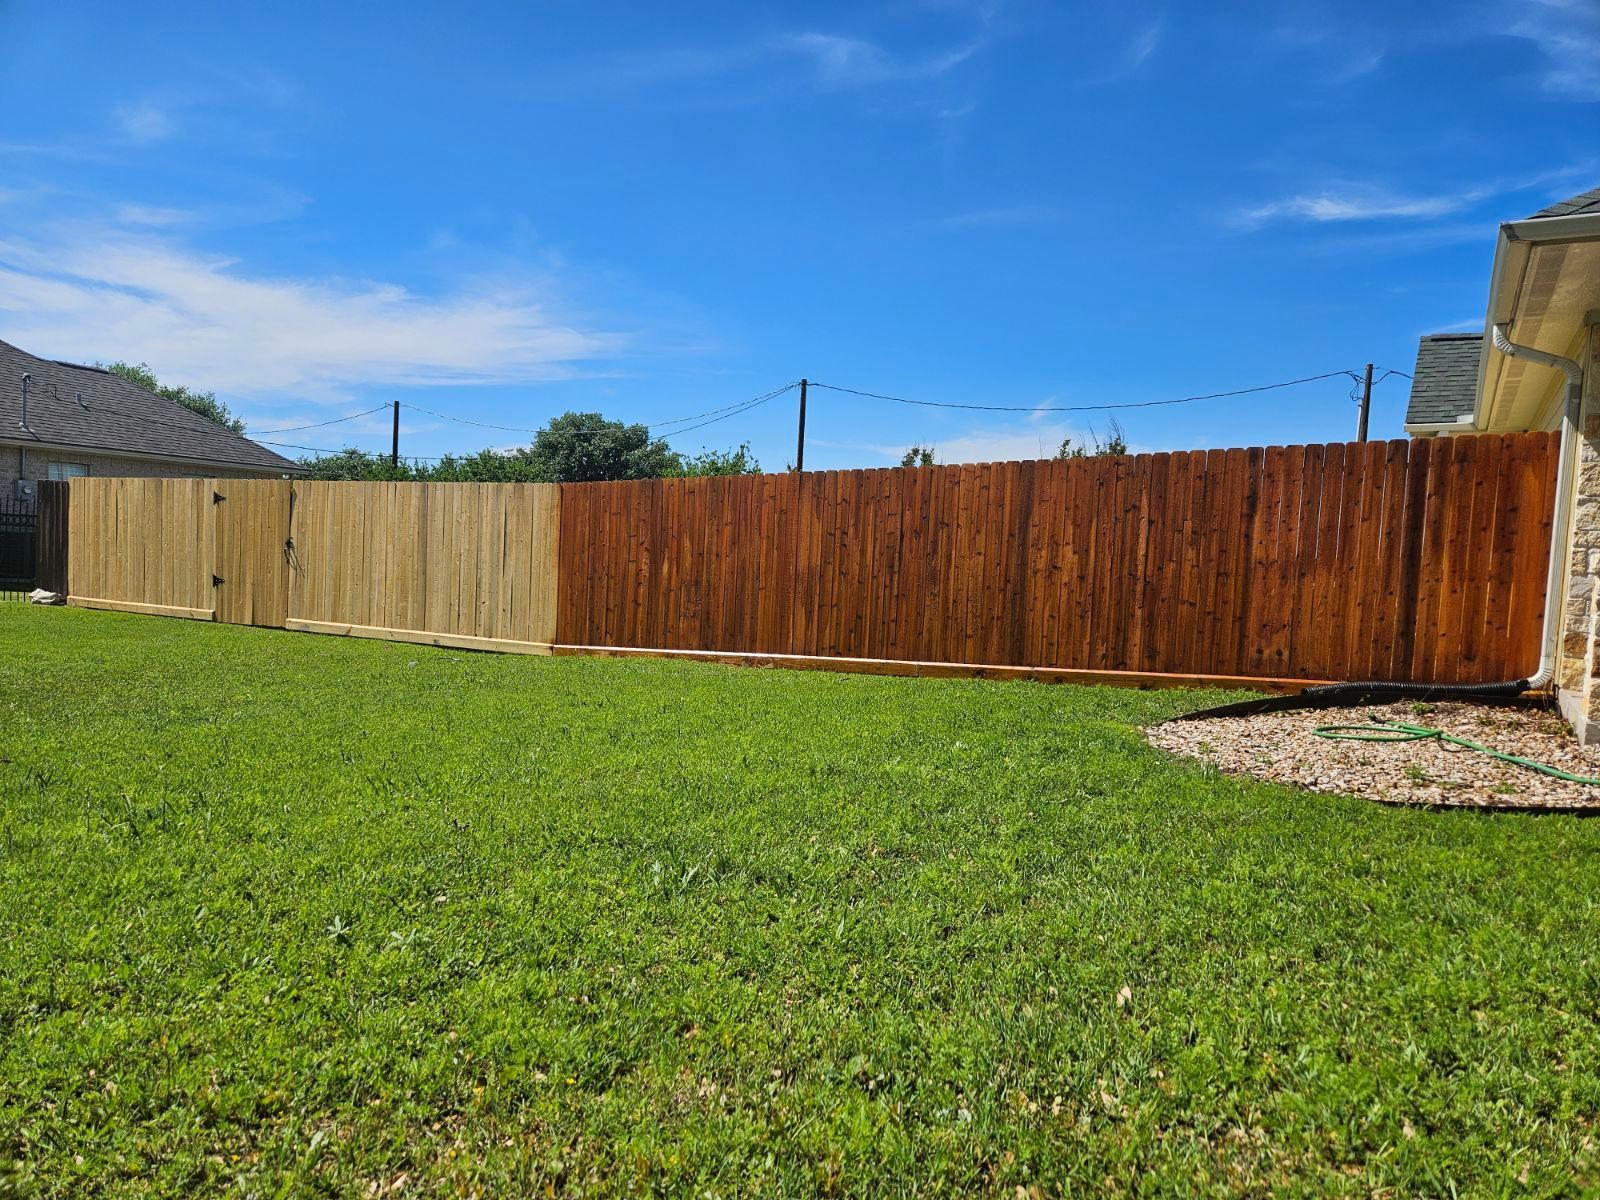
(503, 212)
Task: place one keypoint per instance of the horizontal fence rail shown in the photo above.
(1405, 560)
(1401, 560)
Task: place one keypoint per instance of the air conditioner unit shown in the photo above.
(27, 489)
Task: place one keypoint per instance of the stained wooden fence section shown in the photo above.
(1420, 560)
(143, 545)
(458, 564)
(50, 546)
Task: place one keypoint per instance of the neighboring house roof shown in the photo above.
(1444, 385)
(1589, 202)
(116, 416)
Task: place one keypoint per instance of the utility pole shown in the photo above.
(394, 446)
(800, 448)
(1366, 404)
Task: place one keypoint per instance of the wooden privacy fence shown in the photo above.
(1416, 559)
(1404, 560)
(50, 564)
(455, 564)
(459, 564)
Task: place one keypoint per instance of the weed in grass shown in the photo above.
(291, 915)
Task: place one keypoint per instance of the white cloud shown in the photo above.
(1144, 44)
(106, 292)
(1465, 325)
(846, 62)
(1041, 438)
(145, 122)
(1360, 205)
(1364, 202)
(762, 66)
(152, 215)
(1136, 49)
(1567, 34)
(1002, 445)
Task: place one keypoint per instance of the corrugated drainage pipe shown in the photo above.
(1345, 695)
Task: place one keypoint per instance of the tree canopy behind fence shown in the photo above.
(573, 448)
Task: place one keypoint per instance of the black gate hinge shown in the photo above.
(217, 581)
(217, 497)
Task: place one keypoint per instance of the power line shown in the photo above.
(320, 424)
(1388, 371)
(1266, 387)
(348, 449)
(731, 410)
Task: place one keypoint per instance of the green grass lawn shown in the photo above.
(290, 915)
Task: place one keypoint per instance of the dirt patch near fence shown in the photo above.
(1284, 748)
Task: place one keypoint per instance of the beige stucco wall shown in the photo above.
(1578, 664)
(20, 462)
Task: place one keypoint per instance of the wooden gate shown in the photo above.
(251, 579)
(142, 545)
(209, 549)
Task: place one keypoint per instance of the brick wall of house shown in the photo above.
(18, 462)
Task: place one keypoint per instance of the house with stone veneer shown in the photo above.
(60, 420)
(1536, 366)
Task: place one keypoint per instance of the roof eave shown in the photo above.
(288, 467)
(1512, 246)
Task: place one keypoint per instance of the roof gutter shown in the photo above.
(1554, 591)
(1462, 424)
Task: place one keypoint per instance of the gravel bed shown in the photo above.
(1282, 747)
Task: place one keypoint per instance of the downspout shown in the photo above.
(1554, 588)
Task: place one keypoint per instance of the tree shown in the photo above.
(917, 456)
(719, 462)
(585, 447)
(1115, 443)
(204, 403)
(486, 466)
(358, 465)
(573, 448)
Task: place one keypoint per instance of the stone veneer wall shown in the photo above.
(1578, 667)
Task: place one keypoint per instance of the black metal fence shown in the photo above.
(19, 532)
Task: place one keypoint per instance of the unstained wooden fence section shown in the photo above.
(445, 563)
(458, 564)
(1420, 560)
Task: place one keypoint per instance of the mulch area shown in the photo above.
(1283, 748)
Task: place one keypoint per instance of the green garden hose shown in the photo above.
(1399, 731)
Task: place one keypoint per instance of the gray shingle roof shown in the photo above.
(1589, 202)
(1445, 382)
(116, 415)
